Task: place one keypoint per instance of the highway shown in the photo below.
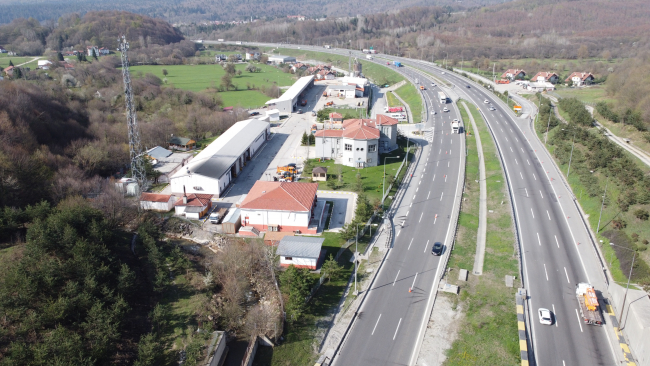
(556, 250)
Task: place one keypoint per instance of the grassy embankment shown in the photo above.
(619, 266)
(411, 96)
(208, 78)
(488, 332)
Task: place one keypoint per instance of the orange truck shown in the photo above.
(288, 169)
(589, 306)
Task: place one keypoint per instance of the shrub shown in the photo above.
(642, 214)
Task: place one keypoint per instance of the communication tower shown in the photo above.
(135, 148)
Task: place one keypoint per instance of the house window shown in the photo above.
(288, 258)
(348, 147)
(372, 148)
(369, 160)
(350, 159)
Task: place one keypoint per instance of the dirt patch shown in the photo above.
(442, 330)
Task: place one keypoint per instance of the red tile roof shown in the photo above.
(582, 75)
(329, 133)
(356, 121)
(155, 197)
(384, 120)
(513, 72)
(195, 199)
(545, 74)
(281, 196)
(361, 132)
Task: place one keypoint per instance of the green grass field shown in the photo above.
(203, 77)
(411, 96)
(392, 100)
(4, 61)
(488, 332)
(379, 74)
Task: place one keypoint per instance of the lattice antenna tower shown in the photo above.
(135, 148)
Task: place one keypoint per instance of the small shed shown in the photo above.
(193, 206)
(319, 173)
(300, 251)
(156, 202)
(232, 222)
(273, 114)
(181, 143)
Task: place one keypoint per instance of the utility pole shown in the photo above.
(135, 148)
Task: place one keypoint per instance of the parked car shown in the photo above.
(299, 111)
(545, 316)
(437, 248)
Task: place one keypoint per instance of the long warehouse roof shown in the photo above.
(294, 90)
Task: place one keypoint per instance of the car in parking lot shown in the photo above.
(486, 101)
(443, 72)
(445, 109)
(437, 248)
(545, 316)
(299, 111)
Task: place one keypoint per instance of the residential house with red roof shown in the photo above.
(514, 74)
(546, 76)
(193, 206)
(281, 206)
(580, 78)
(358, 142)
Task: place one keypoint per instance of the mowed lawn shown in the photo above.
(4, 61)
(203, 77)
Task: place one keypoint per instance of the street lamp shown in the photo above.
(628, 282)
(383, 183)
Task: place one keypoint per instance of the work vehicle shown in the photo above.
(220, 40)
(393, 109)
(314, 128)
(442, 97)
(455, 126)
(445, 109)
(327, 46)
(238, 42)
(329, 103)
(397, 64)
(288, 169)
(422, 87)
(437, 248)
(589, 307)
(545, 316)
(217, 216)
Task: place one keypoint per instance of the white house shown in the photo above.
(580, 78)
(358, 142)
(514, 74)
(546, 76)
(157, 202)
(44, 64)
(300, 251)
(280, 206)
(193, 206)
(91, 49)
(214, 168)
(104, 51)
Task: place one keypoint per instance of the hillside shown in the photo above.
(100, 28)
(226, 10)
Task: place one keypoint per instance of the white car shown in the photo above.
(545, 316)
(486, 101)
(433, 112)
(445, 109)
(443, 72)
(432, 84)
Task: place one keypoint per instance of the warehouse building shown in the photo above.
(288, 102)
(279, 59)
(214, 168)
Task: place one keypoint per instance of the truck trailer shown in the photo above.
(442, 97)
(589, 307)
(397, 64)
(455, 126)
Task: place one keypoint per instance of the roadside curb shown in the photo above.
(521, 325)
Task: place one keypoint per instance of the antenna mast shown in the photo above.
(135, 148)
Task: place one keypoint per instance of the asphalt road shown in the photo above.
(549, 230)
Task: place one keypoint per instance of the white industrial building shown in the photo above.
(214, 168)
(279, 59)
(342, 91)
(288, 102)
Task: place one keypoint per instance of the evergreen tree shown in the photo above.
(11, 63)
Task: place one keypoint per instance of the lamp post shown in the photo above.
(628, 282)
(383, 183)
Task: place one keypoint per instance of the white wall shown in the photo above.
(208, 185)
(298, 261)
(158, 206)
(350, 158)
(282, 218)
(324, 147)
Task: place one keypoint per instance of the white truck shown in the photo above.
(369, 57)
(442, 97)
(455, 126)
(220, 39)
(327, 46)
(589, 307)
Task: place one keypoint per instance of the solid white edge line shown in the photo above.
(579, 321)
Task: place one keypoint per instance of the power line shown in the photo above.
(135, 148)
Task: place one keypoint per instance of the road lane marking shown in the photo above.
(545, 271)
(417, 189)
(511, 149)
(531, 211)
(437, 163)
(448, 164)
(400, 322)
(445, 178)
(528, 161)
(557, 242)
(373, 329)
(397, 275)
(434, 177)
(567, 275)
(579, 321)
(434, 219)
(549, 215)
(407, 212)
(539, 241)
(440, 152)
(421, 217)
(507, 139)
(416, 273)
(522, 176)
(522, 150)
(442, 194)
(526, 192)
(428, 194)
(398, 233)
(410, 244)
(554, 315)
(534, 176)
(540, 193)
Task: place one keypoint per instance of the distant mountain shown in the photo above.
(100, 28)
(186, 11)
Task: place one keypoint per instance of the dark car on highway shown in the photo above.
(437, 248)
(254, 113)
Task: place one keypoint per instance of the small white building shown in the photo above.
(44, 64)
(157, 202)
(580, 78)
(193, 206)
(300, 251)
(92, 49)
(273, 115)
(280, 206)
(166, 162)
(214, 168)
(342, 91)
